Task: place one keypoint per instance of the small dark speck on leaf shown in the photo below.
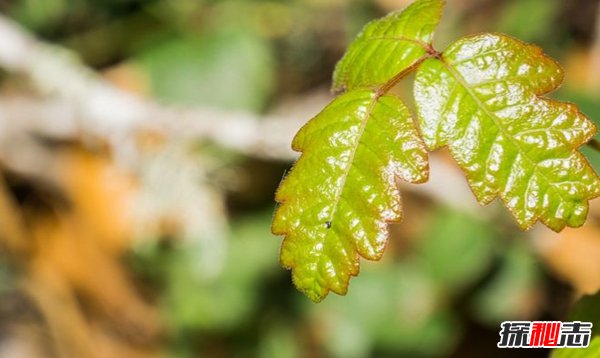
(328, 224)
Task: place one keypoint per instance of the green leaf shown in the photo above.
(342, 192)
(231, 69)
(593, 350)
(279, 340)
(481, 98)
(510, 293)
(194, 301)
(393, 308)
(454, 234)
(587, 309)
(388, 46)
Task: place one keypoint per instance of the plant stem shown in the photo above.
(386, 87)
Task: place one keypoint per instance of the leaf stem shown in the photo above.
(386, 87)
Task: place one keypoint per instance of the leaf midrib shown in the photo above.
(376, 96)
(338, 195)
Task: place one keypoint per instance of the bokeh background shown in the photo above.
(141, 142)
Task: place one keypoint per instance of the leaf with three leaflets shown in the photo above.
(481, 98)
(338, 199)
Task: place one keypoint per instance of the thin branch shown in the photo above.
(89, 105)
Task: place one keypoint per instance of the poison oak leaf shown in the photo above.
(482, 99)
(340, 195)
(388, 46)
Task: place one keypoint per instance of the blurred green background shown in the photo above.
(170, 254)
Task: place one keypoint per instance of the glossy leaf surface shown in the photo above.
(481, 98)
(340, 195)
(388, 46)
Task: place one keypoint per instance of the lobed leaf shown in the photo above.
(340, 195)
(388, 46)
(481, 98)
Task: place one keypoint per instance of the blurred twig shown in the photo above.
(83, 103)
